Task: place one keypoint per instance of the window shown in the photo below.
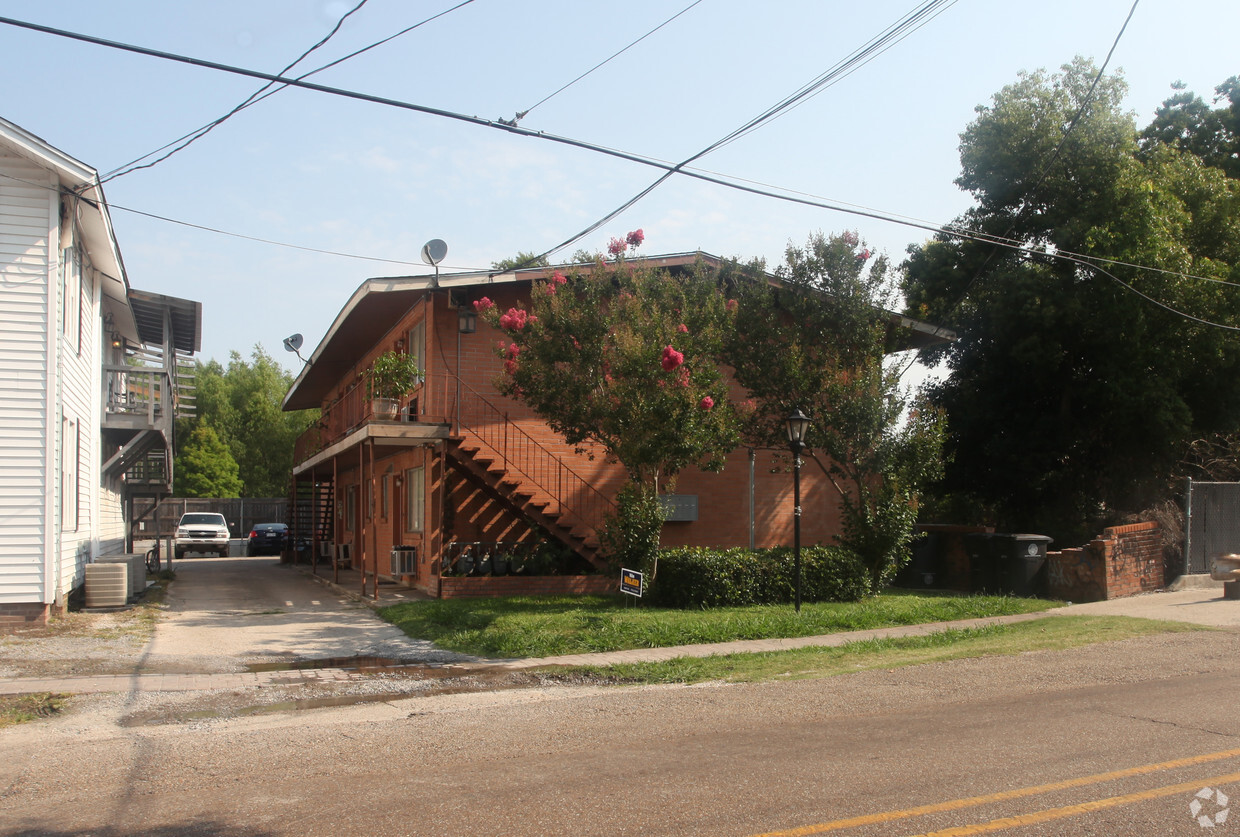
(416, 342)
(70, 450)
(71, 294)
(385, 490)
(414, 499)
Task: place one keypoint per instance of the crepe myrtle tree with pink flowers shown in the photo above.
(626, 356)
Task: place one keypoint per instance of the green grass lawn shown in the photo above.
(540, 626)
(1053, 634)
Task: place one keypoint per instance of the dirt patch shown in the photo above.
(190, 708)
(83, 642)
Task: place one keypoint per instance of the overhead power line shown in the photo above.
(1054, 158)
(266, 90)
(522, 114)
(857, 58)
(515, 129)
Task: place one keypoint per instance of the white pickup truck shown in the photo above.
(205, 532)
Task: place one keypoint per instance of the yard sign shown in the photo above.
(631, 582)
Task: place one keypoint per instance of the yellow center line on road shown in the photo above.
(1082, 808)
(1001, 796)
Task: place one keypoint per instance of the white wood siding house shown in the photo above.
(67, 323)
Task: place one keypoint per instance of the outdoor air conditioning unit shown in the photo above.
(107, 585)
(404, 560)
(344, 554)
(137, 570)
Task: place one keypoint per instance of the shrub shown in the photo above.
(702, 577)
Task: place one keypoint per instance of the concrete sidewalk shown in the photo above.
(1198, 605)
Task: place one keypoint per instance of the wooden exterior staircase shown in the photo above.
(520, 472)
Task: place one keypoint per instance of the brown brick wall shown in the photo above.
(458, 588)
(24, 613)
(723, 498)
(1122, 561)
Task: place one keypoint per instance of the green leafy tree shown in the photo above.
(1070, 392)
(625, 356)
(205, 468)
(815, 341)
(521, 260)
(241, 402)
(1188, 124)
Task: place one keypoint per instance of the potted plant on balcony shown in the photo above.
(392, 376)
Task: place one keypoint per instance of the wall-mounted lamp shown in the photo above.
(116, 340)
(466, 321)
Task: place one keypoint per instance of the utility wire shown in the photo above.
(877, 45)
(267, 90)
(954, 232)
(1045, 171)
(195, 135)
(854, 60)
(522, 114)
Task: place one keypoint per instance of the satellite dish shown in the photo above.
(433, 251)
(292, 343)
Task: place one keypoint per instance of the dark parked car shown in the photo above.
(267, 539)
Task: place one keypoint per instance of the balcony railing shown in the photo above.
(144, 395)
(451, 401)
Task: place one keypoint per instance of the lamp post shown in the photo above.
(798, 426)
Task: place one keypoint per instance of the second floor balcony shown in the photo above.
(137, 398)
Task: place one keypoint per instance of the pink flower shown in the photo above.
(863, 255)
(682, 328)
(558, 278)
(576, 345)
(635, 238)
(671, 359)
(484, 304)
(513, 351)
(510, 366)
(849, 237)
(682, 376)
(731, 305)
(706, 403)
(607, 379)
(514, 319)
(616, 246)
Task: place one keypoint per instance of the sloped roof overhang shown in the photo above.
(379, 304)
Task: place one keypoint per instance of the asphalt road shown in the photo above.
(1114, 739)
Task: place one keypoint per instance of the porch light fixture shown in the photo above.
(798, 426)
(466, 321)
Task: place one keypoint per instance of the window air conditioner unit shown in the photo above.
(404, 560)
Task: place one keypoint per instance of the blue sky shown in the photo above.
(324, 172)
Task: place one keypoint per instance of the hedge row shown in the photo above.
(703, 577)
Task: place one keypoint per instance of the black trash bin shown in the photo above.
(983, 574)
(926, 566)
(1019, 564)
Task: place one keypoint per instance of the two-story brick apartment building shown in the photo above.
(463, 473)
